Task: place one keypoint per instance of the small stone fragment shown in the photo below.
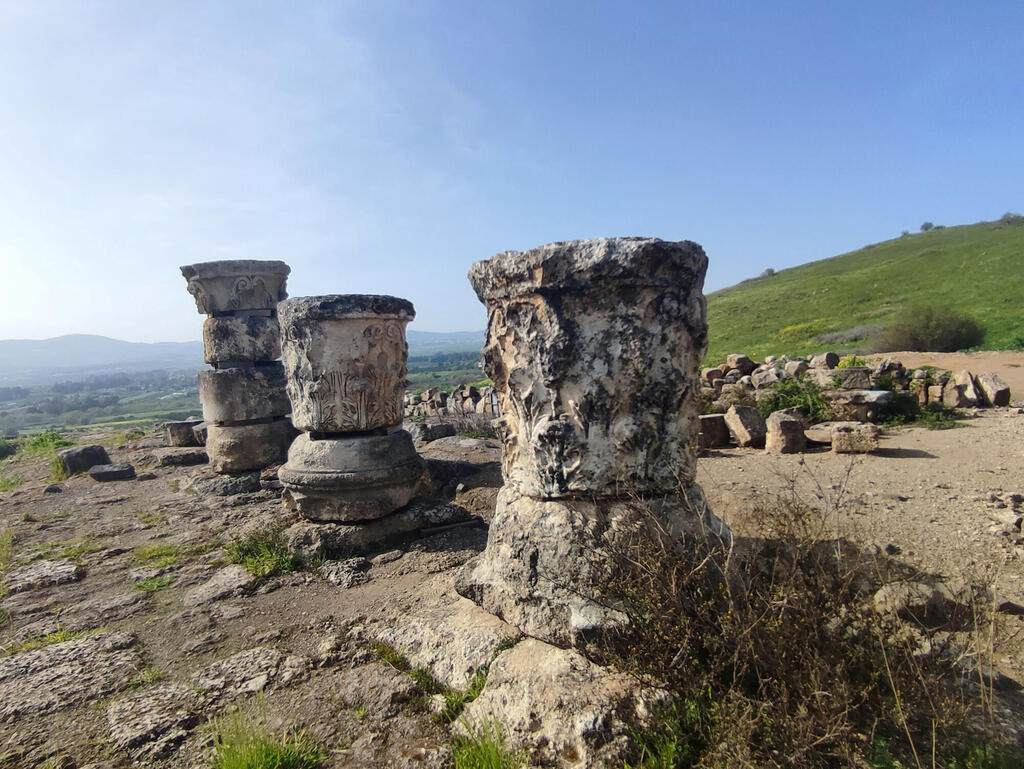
(122, 471)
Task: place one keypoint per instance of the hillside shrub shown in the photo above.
(930, 329)
(800, 393)
(774, 656)
(927, 226)
(1011, 218)
(7, 449)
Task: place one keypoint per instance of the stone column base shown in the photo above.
(350, 479)
(546, 560)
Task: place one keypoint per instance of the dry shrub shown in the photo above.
(930, 329)
(471, 425)
(775, 657)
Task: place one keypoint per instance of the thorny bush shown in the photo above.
(774, 655)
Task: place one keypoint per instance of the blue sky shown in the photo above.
(382, 147)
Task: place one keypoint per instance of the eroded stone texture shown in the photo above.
(345, 361)
(242, 447)
(593, 348)
(244, 403)
(243, 394)
(245, 338)
(237, 284)
(785, 434)
(351, 479)
(994, 390)
(561, 708)
(67, 674)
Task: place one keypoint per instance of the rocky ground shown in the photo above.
(150, 632)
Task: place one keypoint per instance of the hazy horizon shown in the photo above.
(383, 148)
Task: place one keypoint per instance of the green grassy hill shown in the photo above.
(976, 268)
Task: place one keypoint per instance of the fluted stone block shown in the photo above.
(345, 359)
(243, 394)
(237, 284)
(593, 348)
(248, 338)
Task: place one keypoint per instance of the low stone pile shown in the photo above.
(858, 396)
(464, 400)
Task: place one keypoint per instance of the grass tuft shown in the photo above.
(44, 444)
(157, 556)
(10, 482)
(242, 740)
(6, 548)
(264, 553)
(47, 639)
(485, 748)
(155, 583)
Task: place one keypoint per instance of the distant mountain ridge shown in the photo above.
(36, 361)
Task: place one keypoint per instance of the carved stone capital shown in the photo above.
(345, 359)
(593, 347)
(236, 285)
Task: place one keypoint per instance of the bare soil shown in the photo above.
(941, 500)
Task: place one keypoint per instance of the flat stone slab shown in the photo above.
(453, 641)
(230, 581)
(121, 471)
(182, 457)
(152, 723)
(67, 674)
(248, 672)
(43, 574)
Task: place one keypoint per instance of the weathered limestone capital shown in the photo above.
(345, 359)
(236, 285)
(593, 347)
(345, 362)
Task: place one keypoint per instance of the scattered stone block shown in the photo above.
(181, 433)
(785, 434)
(825, 360)
(199, 431)
(121, 471)
(935, 393)
(714, 432)
(80, 458)
(741, 363)
(226, 485)
(766, 377)
(822, 432)
(796, 368)
(859, 405)
(747, 426)
(182, 457)
(854, 438)
(994, 391)
(421, 431)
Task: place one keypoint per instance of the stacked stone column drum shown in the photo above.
(593, 348)
(243, 395)
(345, 360)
